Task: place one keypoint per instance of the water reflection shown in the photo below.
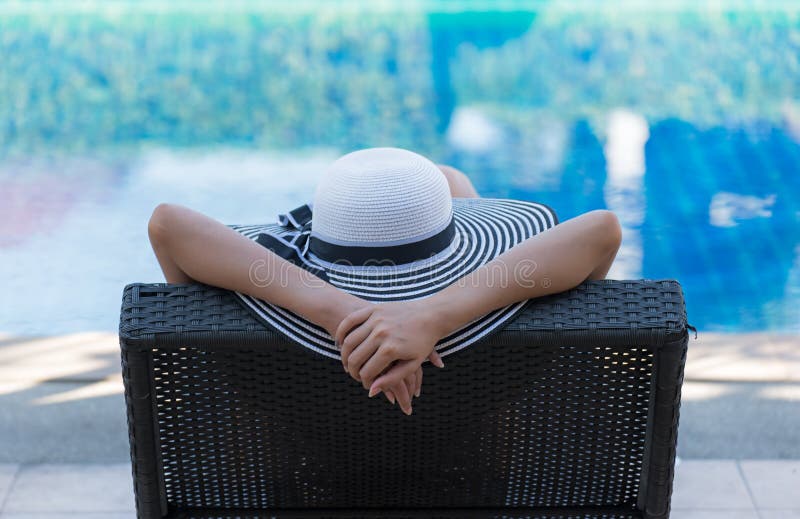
(626, 135)
(721, 216)
(789, 309)
(36, 195)
(734, 275)
(728, 209)
(701, 167)
(473, 132)
(451, 31)
(68, 276)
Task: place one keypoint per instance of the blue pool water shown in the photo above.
(684, 121)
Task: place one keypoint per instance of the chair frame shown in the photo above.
(161, 319)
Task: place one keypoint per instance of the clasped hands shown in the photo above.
(384, 345)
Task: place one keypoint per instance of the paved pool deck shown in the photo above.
(64, 448)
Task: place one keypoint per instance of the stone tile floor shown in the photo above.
(704, 489)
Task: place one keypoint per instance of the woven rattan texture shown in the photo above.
(597, 305)
(502, 425)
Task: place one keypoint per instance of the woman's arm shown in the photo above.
(562, 257)
(577, 250)
(193, 247)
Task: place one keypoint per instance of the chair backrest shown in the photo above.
(551, 413)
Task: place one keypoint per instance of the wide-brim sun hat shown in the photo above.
(384, 227)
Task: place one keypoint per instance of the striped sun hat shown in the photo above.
(384, 227)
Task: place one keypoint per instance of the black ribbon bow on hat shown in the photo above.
(295, 250)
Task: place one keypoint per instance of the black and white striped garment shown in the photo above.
(485, 228)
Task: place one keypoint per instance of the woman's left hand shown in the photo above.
(410, 387)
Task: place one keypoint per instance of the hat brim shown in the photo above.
(485, 228)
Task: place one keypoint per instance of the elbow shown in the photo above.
(607, 230)
(160, 223)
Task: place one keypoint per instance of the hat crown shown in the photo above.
(381, 197)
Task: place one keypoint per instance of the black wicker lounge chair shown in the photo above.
(571, 410)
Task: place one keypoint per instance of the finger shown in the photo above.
(374, 390)
(375, 365)
(403, 397)
(366, 350)
(351, 342)
(395, 375)
(411, 384)
(419, 382)
(389, 395)
(357, 317)
(346, 348)
(436, 359)
(363, 351)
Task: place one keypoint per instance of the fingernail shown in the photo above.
(388, 399)
(391, 399)
(408, 413)
(418, 392)
(374, 391)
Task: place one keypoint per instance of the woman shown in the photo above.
(389, 227)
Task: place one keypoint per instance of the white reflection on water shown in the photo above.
(728, 209)
(627, 133)
(473, 131)
(67, 275)
(791, 118)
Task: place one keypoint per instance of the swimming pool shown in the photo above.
(685, 121)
